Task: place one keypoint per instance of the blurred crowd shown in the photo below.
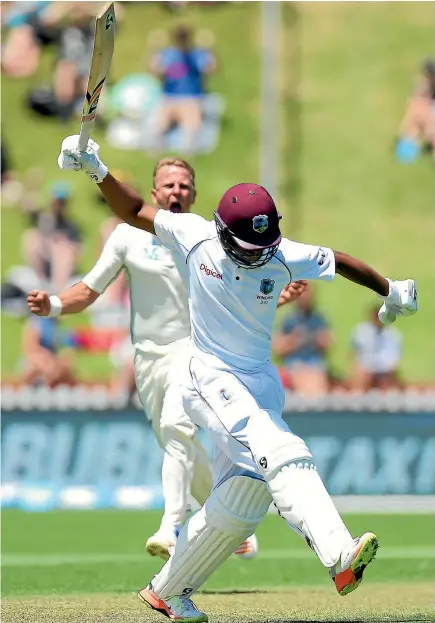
(173, 95)
(165, 105)
(417, 129)
(303, 342)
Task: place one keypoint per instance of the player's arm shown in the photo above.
(354, 270)
(124, 201)
(81, 295)
(73, 300)
(291, 292)
(400, 297)
(311, 262)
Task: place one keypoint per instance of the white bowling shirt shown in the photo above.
(158, 292)
(232, 309)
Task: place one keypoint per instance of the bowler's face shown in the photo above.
(174, 189)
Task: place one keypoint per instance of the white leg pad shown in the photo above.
(303, 501)
(229, 516)
(298, 492)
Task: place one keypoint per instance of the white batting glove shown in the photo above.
(88, 161)
(401, 301)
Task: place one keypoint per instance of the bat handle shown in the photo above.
(85, 133)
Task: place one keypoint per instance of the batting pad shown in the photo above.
(229, 516)
(272, 443)
(303, 501)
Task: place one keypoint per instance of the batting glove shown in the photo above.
(88, 161)
(401, 301)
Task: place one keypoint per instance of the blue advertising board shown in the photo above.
(108, 452)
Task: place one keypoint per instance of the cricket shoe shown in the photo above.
(248, 549)
(348, 572)
(161, 544)
(177, 608)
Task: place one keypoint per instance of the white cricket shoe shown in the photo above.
(248, 549)
(348, 572)
(177, 608)
(161, 544)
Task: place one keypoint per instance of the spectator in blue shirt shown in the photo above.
(47, 359)
(303, 343)
(182, 69)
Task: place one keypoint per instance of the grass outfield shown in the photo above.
(347, 70)
(86, 565)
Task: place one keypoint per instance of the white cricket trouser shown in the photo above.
(186, 468)
(243, 413)
(222, 403)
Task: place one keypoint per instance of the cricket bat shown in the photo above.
(104, 42)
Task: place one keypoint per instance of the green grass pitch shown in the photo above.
(87, 566)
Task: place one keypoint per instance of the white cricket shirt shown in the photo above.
(158, 293)
(232, 309)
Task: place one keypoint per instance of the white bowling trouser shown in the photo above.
(186, 468)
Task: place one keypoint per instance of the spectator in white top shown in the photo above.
(377, 350)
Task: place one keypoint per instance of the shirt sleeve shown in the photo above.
(181, 232)
(109, 263)
(306, 261)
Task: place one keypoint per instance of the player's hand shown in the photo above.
(39, 302)
(401, 301)
(88, 161)
(291, 292)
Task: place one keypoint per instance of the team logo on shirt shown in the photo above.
(225, 394)
(267, 286)
(260, 223)
(153, 251)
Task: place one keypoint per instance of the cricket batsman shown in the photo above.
(160, 331)
(237, 265)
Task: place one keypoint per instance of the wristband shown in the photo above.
(390, 290)
(98, 175)
(55, 306)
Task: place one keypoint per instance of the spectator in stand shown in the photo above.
(417, 129)
(52, 245)
(24, 34)
(44, 360)
(182, 69)
(74, 52)
(376, 350)
(303, 343)
(5, 164)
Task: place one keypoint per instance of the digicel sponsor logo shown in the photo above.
(210, 273)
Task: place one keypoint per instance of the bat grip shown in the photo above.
(85, 134)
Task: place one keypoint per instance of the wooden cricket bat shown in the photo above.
(104, 42)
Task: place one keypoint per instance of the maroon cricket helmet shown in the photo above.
(247, 223)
